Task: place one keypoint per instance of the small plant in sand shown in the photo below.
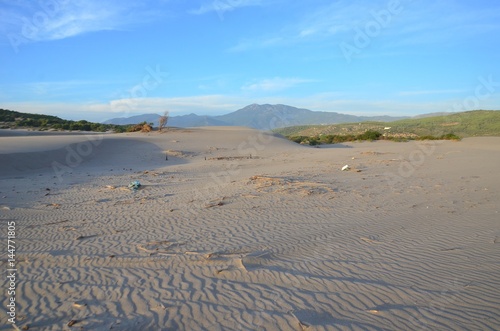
(142, 127)
(163, 120)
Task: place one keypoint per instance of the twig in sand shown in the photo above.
(370, 241)
(50, 223)
(230, 158)
(302, 326)
(85, 237)
(215, 203)
(72, 322)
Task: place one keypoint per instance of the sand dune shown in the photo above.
(243, 230)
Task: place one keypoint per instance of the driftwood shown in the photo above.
(232, 158)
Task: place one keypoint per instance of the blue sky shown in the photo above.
(94, 60)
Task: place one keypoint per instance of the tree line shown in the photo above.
(14, 119)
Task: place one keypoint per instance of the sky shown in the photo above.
(96, 60)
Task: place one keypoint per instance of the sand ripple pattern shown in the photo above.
(301, 248)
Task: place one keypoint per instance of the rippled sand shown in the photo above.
(242, 230)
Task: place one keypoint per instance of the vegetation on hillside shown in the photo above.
(368, 135)
(454, 126)
(14, 119)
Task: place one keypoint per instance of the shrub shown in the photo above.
(298, 139)
(135, 128)
(369, 135)
(427, 137)
(314, 141)
(450, 136)
(119, 128)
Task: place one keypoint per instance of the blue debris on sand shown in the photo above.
(135, 185)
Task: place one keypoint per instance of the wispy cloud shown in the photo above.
(222, 6)
(53, 90)
(200, 104)
(415, 23)
(263, 42)
(274, 84)
(327, 21)
(445, 22)
(41, 21)
(332, 19)
(430, 92)
(222, 104)
(101, 111)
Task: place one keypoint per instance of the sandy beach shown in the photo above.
(244, 230)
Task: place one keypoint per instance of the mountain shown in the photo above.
(256, 116)
(193, 120)
(278, 116)
(433, 114)
(148, 118)
(183, 121)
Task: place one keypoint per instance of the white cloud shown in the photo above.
(318, 24)
(40, 20)
(199, 104)
(413, 23)
(223, 104)
(438, 22)
(222, 6)
(274, 84)
(430, 92)
(51, 90)
(69, 111)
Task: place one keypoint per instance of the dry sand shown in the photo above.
(241, 230)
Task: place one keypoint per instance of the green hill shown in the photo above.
(13, 119)
(465, 124)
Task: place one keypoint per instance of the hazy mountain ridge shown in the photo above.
(282, 119)
(257, 116)
(193, 120)
(148, 118)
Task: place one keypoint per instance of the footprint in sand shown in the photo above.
(258, 260)
(160, 247)
(241, 261)
(309, 318)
